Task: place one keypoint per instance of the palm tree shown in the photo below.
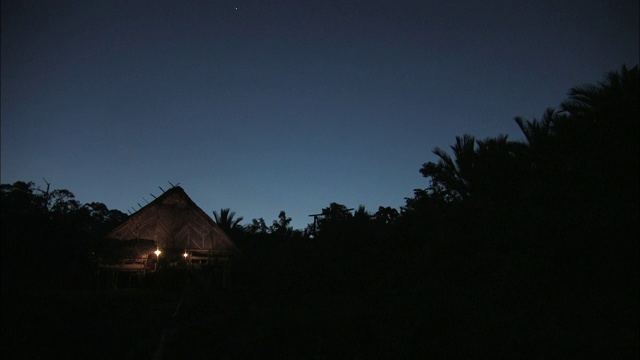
(537, 132)
(486, 170)
(613, 100)
(226, 220)
(454, 177)
(590, 145)
(606, 117)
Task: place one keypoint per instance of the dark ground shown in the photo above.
(141, 322)
(297, 315)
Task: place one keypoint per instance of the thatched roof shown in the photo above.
(174, 221)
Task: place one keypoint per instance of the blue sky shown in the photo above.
(282, 105)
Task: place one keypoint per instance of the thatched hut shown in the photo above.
(178, 229)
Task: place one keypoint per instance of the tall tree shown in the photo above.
(280, 227)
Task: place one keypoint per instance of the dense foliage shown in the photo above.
(48, 237)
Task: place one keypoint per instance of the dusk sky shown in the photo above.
(263, 106)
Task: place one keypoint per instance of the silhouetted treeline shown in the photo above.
(48, 236)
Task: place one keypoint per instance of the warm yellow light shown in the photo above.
(185, 254)
(157, 252)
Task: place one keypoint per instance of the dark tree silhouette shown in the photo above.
(227, 220)
(332, 220)
(280, 227)
(552, 220)
(483, 171)
(453, 176)
(257, 226)
(386, 215)
(53, 232)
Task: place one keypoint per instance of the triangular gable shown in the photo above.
(174, 221)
